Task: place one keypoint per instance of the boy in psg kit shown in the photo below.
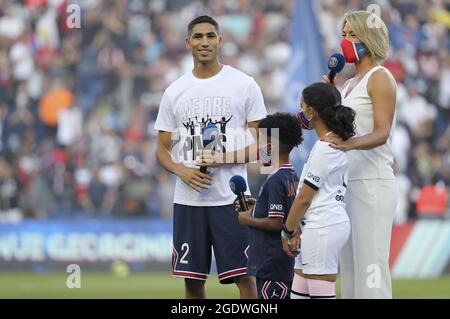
(273, 269)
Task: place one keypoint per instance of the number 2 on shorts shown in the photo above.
(185, 247)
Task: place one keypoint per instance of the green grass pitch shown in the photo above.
(162, 286)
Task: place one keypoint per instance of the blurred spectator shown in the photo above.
(414, 110)
(432, 200)
(69, 126)
(10, 188)
(403, 205)
(56, 100)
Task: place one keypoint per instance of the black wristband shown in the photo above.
(289, 232)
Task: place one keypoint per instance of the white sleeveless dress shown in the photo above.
(371, 200)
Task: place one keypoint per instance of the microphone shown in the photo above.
(239, 186)
(336, 63)
(210, 133)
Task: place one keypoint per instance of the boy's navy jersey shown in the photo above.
(267, 260)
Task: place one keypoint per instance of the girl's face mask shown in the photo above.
(353, 51)
(304, 121)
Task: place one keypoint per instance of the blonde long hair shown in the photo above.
(371, 30)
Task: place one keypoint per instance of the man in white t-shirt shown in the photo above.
(221, 102)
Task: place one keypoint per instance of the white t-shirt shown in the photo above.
(326, 172)
(229, 100)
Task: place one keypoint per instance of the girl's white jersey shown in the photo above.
(326, 172)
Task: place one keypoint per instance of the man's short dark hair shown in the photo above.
(202, 19)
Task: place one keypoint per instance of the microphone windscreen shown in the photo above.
(210, 133)
(336, 62)
(238, 184)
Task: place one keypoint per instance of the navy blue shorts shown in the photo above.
(269, 289)
(197, 229)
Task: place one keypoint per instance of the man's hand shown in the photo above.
(210, 158)
(193, 177)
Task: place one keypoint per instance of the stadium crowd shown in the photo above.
(78, 105)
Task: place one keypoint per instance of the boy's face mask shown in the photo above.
(265, 155)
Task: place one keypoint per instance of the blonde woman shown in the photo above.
(371, 196)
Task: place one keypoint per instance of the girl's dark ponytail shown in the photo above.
(326, 100)
(345, 118)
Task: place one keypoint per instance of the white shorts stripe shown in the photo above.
(189, 274)
(233, 272)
